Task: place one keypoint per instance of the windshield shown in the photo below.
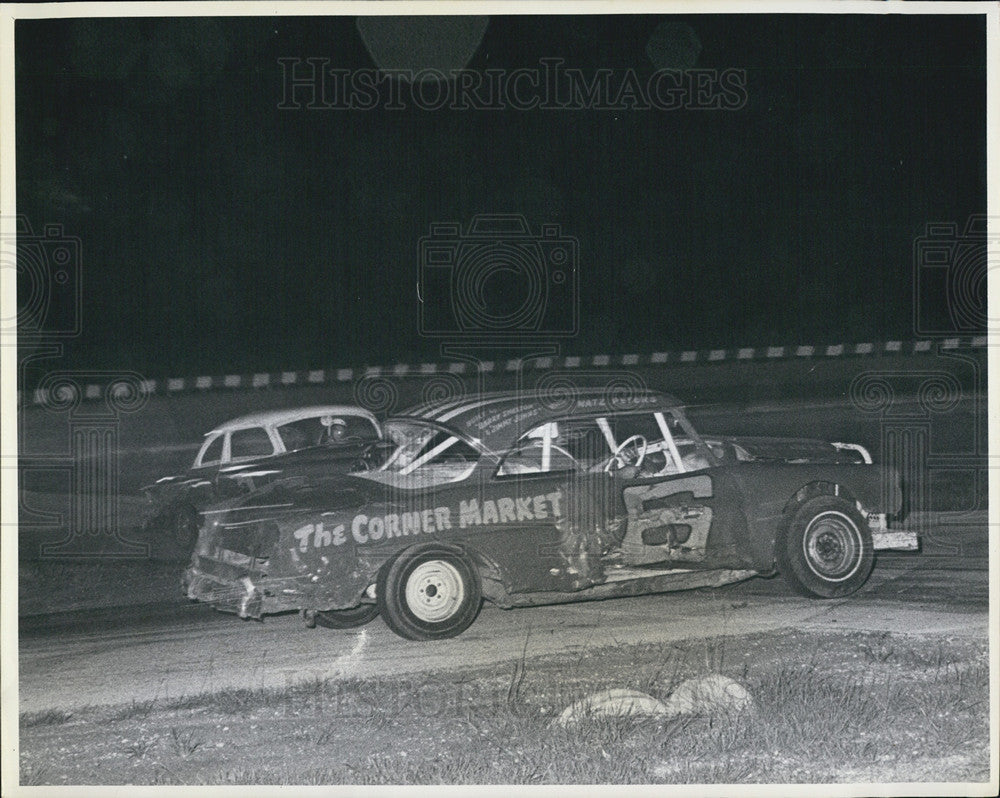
(657, 444)
(328, 429)
(423, 455)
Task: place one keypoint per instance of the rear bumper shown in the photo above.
(231, 588)
(884, 538)
(895, 540)
(242, 597)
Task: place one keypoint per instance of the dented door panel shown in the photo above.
(696, 517)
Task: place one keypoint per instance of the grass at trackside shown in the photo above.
(851, 707)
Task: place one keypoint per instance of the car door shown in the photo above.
(529, 491)
(245, 446)
(689, 511)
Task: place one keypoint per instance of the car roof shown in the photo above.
(497, 420)
(273, 418)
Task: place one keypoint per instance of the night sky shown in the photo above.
(221, 233)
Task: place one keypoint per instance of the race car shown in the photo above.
(322, 438)
(521, 500)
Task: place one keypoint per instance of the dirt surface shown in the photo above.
(55, 588)
(176, 649)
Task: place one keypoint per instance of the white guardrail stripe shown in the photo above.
(682, 357)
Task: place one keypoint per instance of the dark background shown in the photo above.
(221, 234)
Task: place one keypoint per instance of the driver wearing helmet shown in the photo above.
(335, 430)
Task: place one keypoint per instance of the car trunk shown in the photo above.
(228, 560)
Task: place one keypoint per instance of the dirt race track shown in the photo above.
(171, 649)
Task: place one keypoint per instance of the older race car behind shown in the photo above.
(246, 452)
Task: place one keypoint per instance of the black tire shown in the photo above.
(184, 525)
(347, 619)
(429, 592)
(825, 551)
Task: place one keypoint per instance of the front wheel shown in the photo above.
(184, 524)
(826, 551)
(346, 619)
(429, 593)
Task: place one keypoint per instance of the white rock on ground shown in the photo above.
(706, 695)
(612, 703)
(702, 695)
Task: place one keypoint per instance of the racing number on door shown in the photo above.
(668, 520)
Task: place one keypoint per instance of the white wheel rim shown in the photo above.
(832, 546)
(434, 591)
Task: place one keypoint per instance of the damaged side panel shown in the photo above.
(262, 567)
(533, 541)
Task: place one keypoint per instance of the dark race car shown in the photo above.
(249, 451)
(521, 501)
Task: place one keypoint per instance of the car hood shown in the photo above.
(299, 493)
(795, 450)
(339, 458)
(316, 463)
(313, 459)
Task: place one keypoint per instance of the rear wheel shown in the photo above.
(347, 619)
(826, 549)
(429, 593)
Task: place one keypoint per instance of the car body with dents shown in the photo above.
(525, 499)
(242, 454)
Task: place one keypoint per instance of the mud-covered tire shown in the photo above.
(347, 619)
(825, 549)
(429, 592)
